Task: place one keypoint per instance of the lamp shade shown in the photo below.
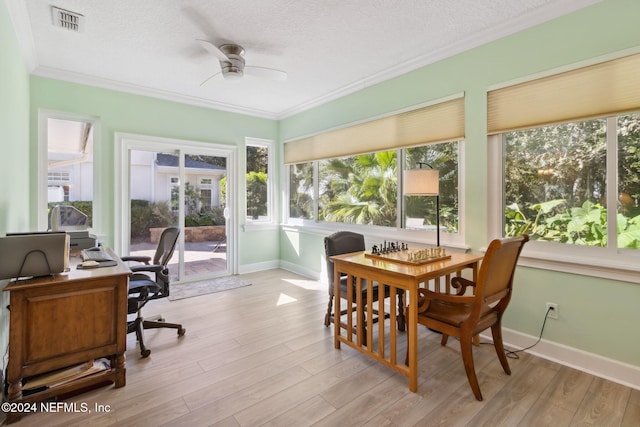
(421, 182)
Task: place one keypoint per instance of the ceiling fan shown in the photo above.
(232, 63)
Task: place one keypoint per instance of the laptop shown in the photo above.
(33, 254)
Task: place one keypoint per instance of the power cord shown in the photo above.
(513, 354)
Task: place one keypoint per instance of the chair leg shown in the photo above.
(139, 327)
(444, 339)
(467, 358)
(496, 331)
(363, 325)
(327, 317)
(401, 319)
(150, 324)
(406, 357)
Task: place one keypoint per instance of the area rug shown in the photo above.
(205, 287)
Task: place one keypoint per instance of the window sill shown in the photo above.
(374, 234)
(259, 226)
(592, 262)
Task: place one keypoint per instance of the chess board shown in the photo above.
(402, 257)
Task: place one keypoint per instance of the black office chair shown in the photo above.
(343, 242)
(144, 287)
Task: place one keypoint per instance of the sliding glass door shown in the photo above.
(204, 225)
(177, 183)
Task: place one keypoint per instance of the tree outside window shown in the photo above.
(556, 186)
(363, 189)
(256, 182)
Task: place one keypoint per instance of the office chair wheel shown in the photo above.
(181, 332)
(145, 352)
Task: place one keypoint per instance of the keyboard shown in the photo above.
(95, 255)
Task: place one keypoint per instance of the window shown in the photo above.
(66, 164)
(568, 183)
(259, 181)
(301, 191)
(205, 198)
(363, 189)
(565, 150)
(353, 174)
(422, 210)
(360, 189)
(628, 212)
(555, 183)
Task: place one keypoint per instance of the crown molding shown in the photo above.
(69, 76)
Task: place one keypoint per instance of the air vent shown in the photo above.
(66, 19)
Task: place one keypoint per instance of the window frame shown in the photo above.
(608, 262)
(399, 232)
(270, 221)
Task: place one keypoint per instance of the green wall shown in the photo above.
(14, 146)
(597, 315)
(122, 112)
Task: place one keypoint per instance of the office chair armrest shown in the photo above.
(155, 268)
(140, 258)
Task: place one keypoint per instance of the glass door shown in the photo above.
(205, 229)
(153, 205)
(187, 189)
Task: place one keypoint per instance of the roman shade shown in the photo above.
(599, 90)
(438, 122)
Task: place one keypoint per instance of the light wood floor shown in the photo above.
(260, 355)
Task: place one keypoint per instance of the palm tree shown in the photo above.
(361, 189)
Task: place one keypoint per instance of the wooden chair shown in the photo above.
(464, 316)
(344, 242)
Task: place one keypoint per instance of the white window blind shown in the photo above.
(438, 122)
(599, 90)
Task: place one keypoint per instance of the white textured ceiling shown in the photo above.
(328, 47)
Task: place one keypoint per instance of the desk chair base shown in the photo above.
(140, 324)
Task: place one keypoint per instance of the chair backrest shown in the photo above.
(341, 242)
(495, 278)
(166, 246)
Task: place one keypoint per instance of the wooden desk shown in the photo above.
(65, 320)
(359, 269)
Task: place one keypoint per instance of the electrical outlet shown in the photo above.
(552, 308)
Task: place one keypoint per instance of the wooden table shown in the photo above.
(64, 320)
(364, 271)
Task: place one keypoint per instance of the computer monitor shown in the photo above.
(33, 254)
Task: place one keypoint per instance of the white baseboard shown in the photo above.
(295, 268)
(259, 266)
(600, 366)
(270, 265)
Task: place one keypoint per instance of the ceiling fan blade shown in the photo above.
(210, 47)
(267, 73)
(209, 78)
